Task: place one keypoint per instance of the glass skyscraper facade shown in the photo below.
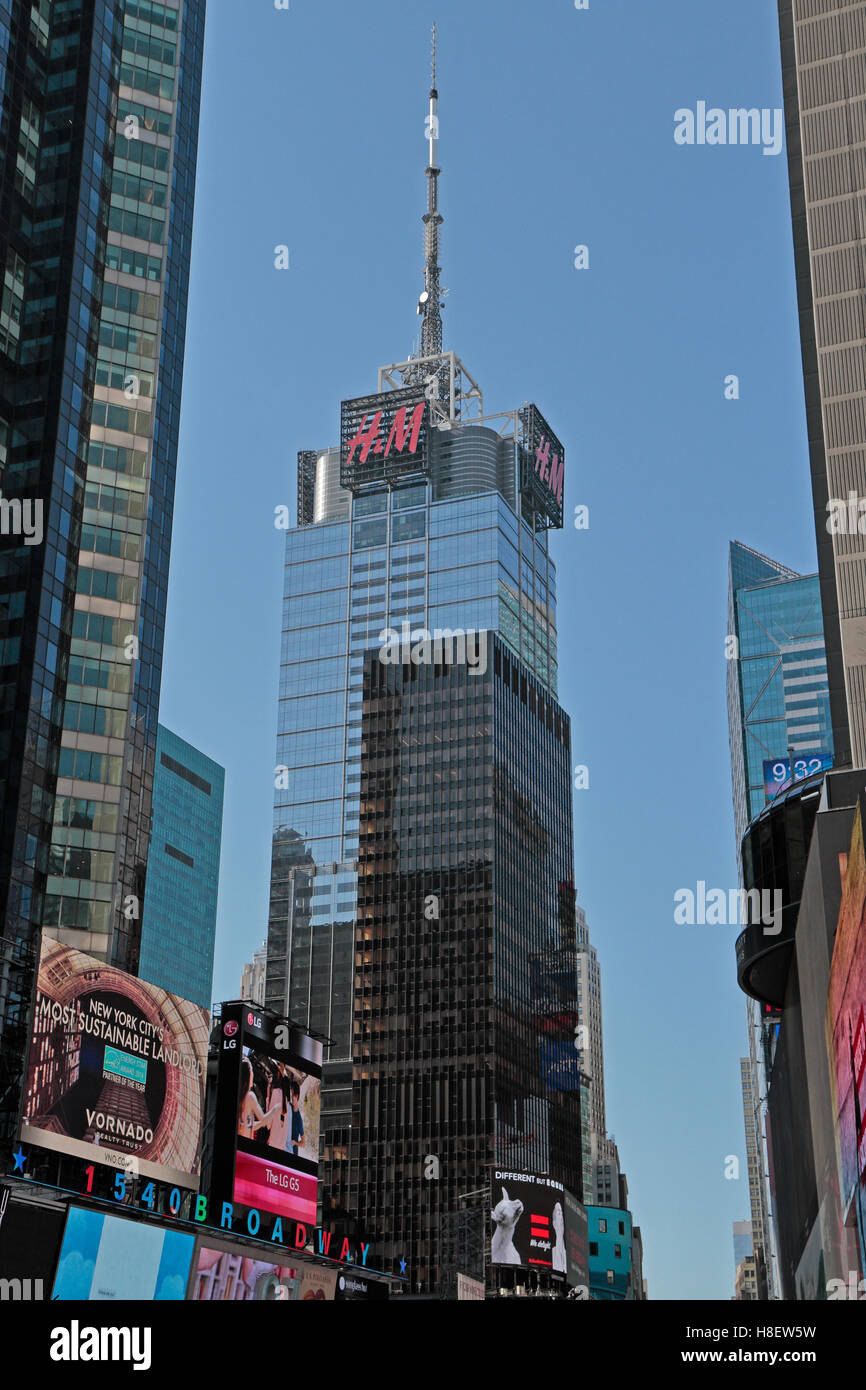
(778, 698)
(404, 556)
(98, 861)
(179, 924)
(98, 132)
(464, 933)
(778, 712)
(445, 784)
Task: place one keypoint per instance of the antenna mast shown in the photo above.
(430, 304)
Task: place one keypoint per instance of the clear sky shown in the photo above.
(557, 129)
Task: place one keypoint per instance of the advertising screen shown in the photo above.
(116, 1070)
(30, 1238)
(777, 771)
(358, 1288)
(232, 1276)
(278, 1124)
(846, 1020)
(542, 464)
(383, 437)
(269, 1106)
(315, 1285)
(576, 1242)
(528, 1215)
(104, 1258)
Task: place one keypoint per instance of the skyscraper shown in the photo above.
(592, 1058)
(98, 130)
(423, 823)
(178, 929)
(824, 83)
(779, 726)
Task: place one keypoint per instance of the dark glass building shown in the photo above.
(98, 133)
(465, 839)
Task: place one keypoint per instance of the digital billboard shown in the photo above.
(542, 465)
(268, 1114)
(315, 1285)
(528, 1215)
(383, 437)
(116, 1070)
(576, 1242)
(777, 771)
(846, 1022)
(232, 1276)
(105, 1258)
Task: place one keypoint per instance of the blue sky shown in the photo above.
(556, 130)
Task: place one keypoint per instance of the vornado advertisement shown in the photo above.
(528, 1214)
(116, 1072)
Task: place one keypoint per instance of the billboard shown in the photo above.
(846, 1025)
(777, 771)
(542, 465)
(116, 1070)
(30, 1237)
(268, 1114)
(528, 1215)
(576, 1242)
(106, 1258)
(357, 1288)
(232, 1276)
(315, 1285)
(383, 437)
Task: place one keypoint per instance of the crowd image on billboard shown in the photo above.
(279, 1107)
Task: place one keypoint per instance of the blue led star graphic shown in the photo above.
(402, 1266)
(19, 1160)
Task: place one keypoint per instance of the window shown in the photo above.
(610, 1276)
(409, 527)
(593, 1247)
(622, 1228)
(367, 533)
(617, 1252)
(602, 1227)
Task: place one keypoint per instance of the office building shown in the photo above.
(592, 1051)
(746, 1280)
(422, 903)
(779, 727)
(98, 134)
(742, 1240)
(253, 976)
(612, 1274)
(824, 84)
(180, 911)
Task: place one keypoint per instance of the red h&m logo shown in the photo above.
(370, 439)
(549, 472)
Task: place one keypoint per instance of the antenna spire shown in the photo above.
(430, 304)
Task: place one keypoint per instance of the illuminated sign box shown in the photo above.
(116, 1069)
(384, 437)
(268, 1112)
(542, 466)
